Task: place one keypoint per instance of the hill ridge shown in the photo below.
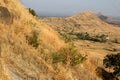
(85, 22)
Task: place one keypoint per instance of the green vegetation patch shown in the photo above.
(69, 56)
(58, 57)
(87, 36)
(33, 40)
(67, 37)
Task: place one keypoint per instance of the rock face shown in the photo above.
(5, 16)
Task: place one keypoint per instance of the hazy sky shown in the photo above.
(70, 7)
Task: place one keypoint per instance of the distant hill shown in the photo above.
(83, 22)
(113, 21)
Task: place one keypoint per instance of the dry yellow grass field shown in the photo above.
(21, 61)
(18, 59)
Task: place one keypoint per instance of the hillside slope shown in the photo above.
(31, 50)
(27, 46)
(18, 59)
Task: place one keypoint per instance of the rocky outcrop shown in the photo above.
(6, 16)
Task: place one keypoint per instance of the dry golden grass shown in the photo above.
(19, 60)
(95, 51)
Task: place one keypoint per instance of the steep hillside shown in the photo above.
(18, 59)
(31, 50)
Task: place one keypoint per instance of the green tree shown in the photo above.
(113, 61)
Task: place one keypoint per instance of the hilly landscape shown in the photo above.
(84, 22)
(85, 30)
(70, 48)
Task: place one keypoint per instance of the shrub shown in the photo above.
(77, 59)
(69, 56)
(83, 36)
(32, 12)
(33, 40)
(100, 38)
(97, 38)
(113, 61)
(73, 56)
(57, 57)
(66, 37)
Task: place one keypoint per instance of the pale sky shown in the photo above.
(71, 7)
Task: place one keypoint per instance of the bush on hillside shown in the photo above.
(32, 12)
(83, 36)
(69, 56)
(66, 37)
(100, 38)
(113, 61)
(97, 38)
(33, 40)
(57, 57)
